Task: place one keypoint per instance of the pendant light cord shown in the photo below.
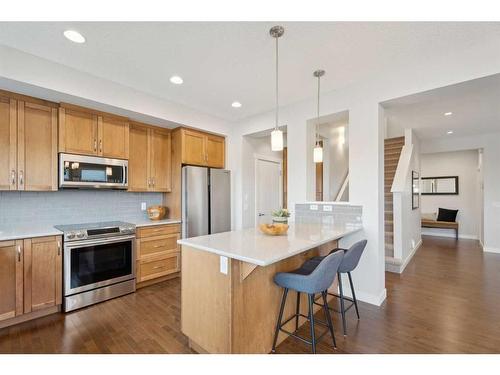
(317, 117)
(277, 102)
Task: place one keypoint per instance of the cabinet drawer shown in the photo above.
(157, 268)
(154, 245)
(158, 230)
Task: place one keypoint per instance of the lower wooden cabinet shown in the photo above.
(30, 276)
(158, 254)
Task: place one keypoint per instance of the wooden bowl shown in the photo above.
(157, 212)
(275, 229)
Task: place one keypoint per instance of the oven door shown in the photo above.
(78, 171)
(92, 264)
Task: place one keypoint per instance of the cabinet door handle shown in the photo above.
(58, 248)
(149, 182)
(13, 176)
(154, 181)
(95, 145)
(100, 145)
(18, 253)
(21, 178)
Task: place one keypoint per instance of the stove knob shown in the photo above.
(80, 234)
(70, 235)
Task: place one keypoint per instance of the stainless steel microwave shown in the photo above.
(89, 172)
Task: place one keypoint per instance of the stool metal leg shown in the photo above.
(353, 294)
(280, 317)
(297, 311)
(342, 309)
(328, 318)
(311, 319)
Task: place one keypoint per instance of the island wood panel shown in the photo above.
(11, 279)
(8, 143)
(237, 312)
(37, 147)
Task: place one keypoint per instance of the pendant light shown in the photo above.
(318, 148)
(276, 134)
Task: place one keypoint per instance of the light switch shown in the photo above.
(327, 207)
(143, 206)
(223, 265)
(313, 207)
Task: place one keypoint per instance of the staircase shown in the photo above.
(392, 151)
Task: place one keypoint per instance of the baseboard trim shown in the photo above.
(491, 250)
(410, 256)
(372, 299)
(397, 265)
(450, 235)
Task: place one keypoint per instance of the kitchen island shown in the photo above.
(229, 300)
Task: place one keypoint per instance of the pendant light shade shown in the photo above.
(277, 135)
(318, 148)
(277, 140)
(318, 153)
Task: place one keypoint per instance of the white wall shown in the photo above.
(490, 143)
(252, 146)
(366, 143)
(463, 164)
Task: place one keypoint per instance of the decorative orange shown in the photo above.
(275, 229)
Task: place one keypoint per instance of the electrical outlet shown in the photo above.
(313, 207)
(327, 208)
(143, 206)
(223, 265)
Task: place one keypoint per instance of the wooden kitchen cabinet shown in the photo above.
(150, 162)
(86, 132)
(42, 273)
(28, 144)
(30, 279)
(158, 254)
(8, 143)
(11, 279)
(202, 149)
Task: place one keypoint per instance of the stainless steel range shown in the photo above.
(99, 262)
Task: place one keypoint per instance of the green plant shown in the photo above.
(283, 212)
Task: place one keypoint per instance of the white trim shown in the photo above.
(410, 256)
(270, 159)
(450, 235)
(366, 297)
(491, 250)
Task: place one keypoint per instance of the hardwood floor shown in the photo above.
(446, 301)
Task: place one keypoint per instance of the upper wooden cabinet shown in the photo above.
(86, 132)
(203, 149)
(28, 144)
(149, 159)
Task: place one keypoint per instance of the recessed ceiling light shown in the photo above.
(236, 104)
(448, 113)
(449, 132)
(176, 80)
(74, 36)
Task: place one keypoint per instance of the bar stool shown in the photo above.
(311, 278)
(349, 263)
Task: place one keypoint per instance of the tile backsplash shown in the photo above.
(72, 206)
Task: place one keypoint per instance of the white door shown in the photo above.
(267, 189)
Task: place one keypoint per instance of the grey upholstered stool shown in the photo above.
(349, 263)
(311, 278)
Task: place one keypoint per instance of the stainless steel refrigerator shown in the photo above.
(206, 201)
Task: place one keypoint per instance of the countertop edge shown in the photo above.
(257, 262)
(26, 235)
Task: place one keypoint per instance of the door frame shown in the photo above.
(270, 159)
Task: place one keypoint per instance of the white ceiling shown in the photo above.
(222, 62)
(475, 106)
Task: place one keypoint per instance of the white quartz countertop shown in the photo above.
(252, 246)
(18, 232)
(145, 222)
